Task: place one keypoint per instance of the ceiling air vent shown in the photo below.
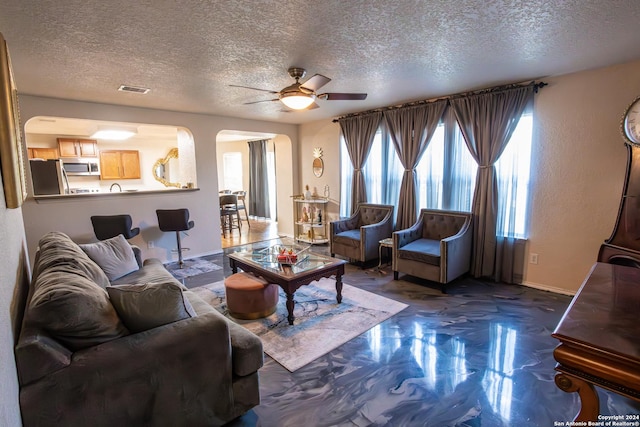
(134, 89)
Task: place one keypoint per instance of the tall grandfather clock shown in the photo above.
(623, 247)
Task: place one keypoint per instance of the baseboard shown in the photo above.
(549, 288)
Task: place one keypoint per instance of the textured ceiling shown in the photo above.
(188, 52)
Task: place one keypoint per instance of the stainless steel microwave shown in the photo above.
(81, 166)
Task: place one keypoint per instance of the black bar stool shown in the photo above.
(175, 220)
(108, 226)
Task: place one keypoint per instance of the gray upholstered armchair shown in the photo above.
(437, 247)
(357, 237)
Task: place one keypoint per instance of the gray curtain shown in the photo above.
(258, 179)
(487, 121)
(411, 129)
(358, 133)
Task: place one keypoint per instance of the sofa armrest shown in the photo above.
(373, 233)
(408, 235)
(175, 370)
(38, 355)
(455, 252)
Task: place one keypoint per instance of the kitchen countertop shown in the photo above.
(110, 194)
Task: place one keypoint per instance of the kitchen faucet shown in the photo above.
(111, 188)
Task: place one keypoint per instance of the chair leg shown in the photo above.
(395, 275)
(180, 261)
(246, 215)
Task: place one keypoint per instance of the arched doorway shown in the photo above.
(234, 173)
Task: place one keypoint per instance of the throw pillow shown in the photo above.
(56, 250)
(73, 309)
(115, 256)
(146, 306)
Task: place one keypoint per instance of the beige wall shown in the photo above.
(72, 217)
(326, 135)
(577, 171)
(14, 277)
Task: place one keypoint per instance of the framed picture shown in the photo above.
(11, 149)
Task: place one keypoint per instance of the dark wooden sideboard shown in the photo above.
(599, 338)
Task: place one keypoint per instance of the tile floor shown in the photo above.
(479, 355)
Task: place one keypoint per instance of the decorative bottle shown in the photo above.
(319, 216)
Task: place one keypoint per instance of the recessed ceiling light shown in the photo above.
(114, 134)
(134, 89)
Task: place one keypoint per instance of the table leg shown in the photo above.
(234, 267)
(339, 287)
(290, 305)
(590, 403)
(379, 256)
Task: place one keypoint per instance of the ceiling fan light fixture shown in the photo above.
(297, 100)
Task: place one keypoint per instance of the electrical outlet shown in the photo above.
(151, 244)
(533, 258)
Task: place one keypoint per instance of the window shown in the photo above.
(232, 169)
(513, 172)
(446, 174)
(382, 173)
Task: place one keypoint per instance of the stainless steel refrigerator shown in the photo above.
(48, 177)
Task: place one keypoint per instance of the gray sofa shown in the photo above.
(80, 364)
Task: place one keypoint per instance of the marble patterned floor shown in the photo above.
(480, 355)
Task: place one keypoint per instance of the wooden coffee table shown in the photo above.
(289, 277)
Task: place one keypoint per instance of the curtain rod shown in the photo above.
(495, 89)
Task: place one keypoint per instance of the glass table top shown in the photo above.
(287, 259)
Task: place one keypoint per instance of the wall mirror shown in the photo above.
(162, 168)
(318, 164)
(318, 167)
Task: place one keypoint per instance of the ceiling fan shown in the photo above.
(301, 96)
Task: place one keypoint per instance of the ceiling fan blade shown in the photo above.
(254, 88)
(315, 82)
(343, 96)
(264, 100)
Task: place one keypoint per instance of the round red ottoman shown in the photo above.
(250, 297)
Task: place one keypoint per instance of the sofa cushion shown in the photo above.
(422, 250)
(146, 306)
(153, 271)
(73, 309)
(348, 238)
(115, 256)
(372, 214)
(56, 249)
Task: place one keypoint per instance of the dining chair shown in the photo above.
(229, 214)
(241, 194)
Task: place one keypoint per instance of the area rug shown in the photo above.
(191, 267)
(321, 324)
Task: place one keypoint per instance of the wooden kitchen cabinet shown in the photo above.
(42, 153)
(119, 164)
(73, 147)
